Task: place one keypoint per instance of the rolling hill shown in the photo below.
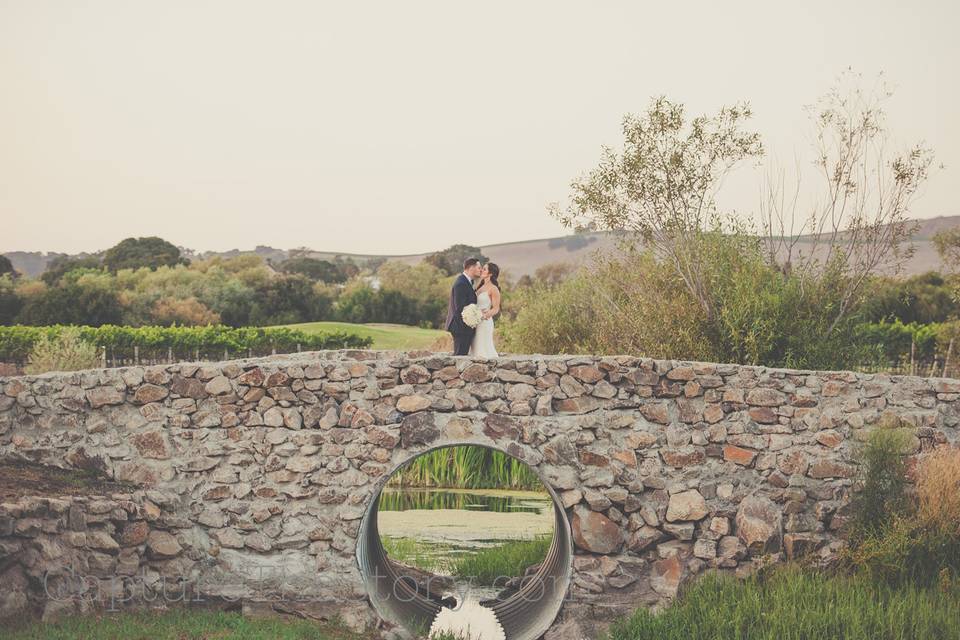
(518, 258)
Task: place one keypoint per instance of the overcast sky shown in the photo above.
(402, 127)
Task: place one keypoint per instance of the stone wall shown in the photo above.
(265, 468)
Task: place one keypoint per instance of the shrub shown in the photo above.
(635, 304)
(897, 540)
(884, 477)
(63, 351)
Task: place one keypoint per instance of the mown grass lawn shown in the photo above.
(385, 336)
(179, 624)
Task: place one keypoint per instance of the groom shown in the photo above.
(462, 295)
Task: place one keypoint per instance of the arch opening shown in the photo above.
(524, 608)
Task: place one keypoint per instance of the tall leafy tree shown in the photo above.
(450, 260)
(315, 269)
(135, 253)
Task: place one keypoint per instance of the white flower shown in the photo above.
(472, 316)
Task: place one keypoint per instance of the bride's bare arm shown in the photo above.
(494, 302)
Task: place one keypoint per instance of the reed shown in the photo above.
(467, 467)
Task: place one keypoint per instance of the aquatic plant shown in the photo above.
(467, 467)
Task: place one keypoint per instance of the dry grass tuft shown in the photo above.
(938, 490)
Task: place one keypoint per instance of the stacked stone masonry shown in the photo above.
(254, 475)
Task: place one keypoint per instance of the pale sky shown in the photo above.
(404, 127)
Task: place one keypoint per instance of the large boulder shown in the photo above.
(760, 524)
(594, 532)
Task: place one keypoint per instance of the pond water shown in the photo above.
(497, 500)
(435, 529)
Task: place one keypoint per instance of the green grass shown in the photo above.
(482, 567)
(179, 624)
(789, 603)
(504, 561)
(467, 467)
(385, 336)
(413, 553)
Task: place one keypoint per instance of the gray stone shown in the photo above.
(161, 544)
(686, 505)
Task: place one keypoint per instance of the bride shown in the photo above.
(488, 301)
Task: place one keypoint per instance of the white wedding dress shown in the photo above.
(482, 345)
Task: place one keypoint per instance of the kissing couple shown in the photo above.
(474, 301)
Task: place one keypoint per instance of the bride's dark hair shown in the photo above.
(494, 275)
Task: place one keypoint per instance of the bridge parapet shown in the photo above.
(259, 473)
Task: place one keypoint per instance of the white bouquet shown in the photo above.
(472, 316)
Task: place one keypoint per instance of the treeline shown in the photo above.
(175, 343)
(146, 282)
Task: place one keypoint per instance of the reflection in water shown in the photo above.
(500, 502)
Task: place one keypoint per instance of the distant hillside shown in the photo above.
(517, 258)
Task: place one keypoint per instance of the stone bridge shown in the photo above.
(256, 479)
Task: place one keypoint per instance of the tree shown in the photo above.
(857, 226)
(362, 304)
(661, 188)
(450, 260)
(572, 242)
(62, 265)
(287, 299)
(10, 302)
(185, 312)
(6, 267)
(553, 273)
(322, 270)
(150, 252)
(947, 243)
(72, 303)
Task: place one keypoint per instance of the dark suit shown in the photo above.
(461, 295)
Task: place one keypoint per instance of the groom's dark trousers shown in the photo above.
(461, 296)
